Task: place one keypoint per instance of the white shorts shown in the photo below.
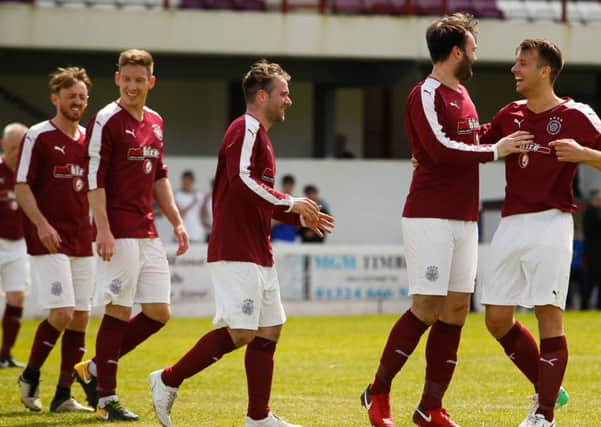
(63, 281)
(13, 265)
(530, 260)
(441, 254)
(247, 295)
(138, 272)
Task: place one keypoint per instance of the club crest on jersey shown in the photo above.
(158, 132)
(268, 175)
(147, 166)
(554, 125)
(67, 171)
(466, 126)
(141, 153)
(523, 160)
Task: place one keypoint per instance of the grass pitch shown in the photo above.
(322, 366)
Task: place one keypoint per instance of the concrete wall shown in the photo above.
(295, 34)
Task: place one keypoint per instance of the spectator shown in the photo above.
(189, 201)
(306, 234)
(281, 232)
(206, 212)
(592, 249)
(577, 270)
(341, 149)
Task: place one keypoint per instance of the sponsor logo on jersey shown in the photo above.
(141, 153)
(466, 126)
(158, 132)
(67, 171)
(554, 125)
(523, 160)
(536, 148)
(147, 166)
(268, 175)
(77, 184)
(7, 195)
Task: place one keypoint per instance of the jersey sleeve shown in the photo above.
(422, 117)
(99, 145)
(29, 159)
(162, 169)
(588, 130)
(287, 217)
(241, 173)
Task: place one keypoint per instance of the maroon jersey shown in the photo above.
(244, 200)
(442, 126)
(126, 158)
(11, 216)
(54, 167)
(536, 180)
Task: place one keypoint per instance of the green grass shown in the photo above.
(322, 365)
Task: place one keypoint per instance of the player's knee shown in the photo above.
(16, 299)
(160, 313)
(241, 337)
(498, 325)
(61, 317)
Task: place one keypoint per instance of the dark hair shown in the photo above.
(64, 78)
(288, 179)
(449, 31)
(188, 174)
(310, 188)
(548, 54)
(260, 76)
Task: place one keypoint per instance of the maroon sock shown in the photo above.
(207, 351)
(72, 350)
(108, 348)
(402, 340)
(551, 369)
(11, 323)
(138, 329)
(441, 359)
(520, 346)
(258, 362)
(43, 343)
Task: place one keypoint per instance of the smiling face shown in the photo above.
(277, 101)
(134, 82)
(530, 75)
(71, 102)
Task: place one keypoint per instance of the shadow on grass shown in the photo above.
(40, 419)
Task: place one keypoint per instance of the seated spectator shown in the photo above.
(306, 234)
(281, 232)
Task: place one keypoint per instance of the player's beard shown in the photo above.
(275, 114)
(69, 115)
(463, 70)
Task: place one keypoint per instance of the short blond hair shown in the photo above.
(136, 57)
(260, 76)
(64, 78)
